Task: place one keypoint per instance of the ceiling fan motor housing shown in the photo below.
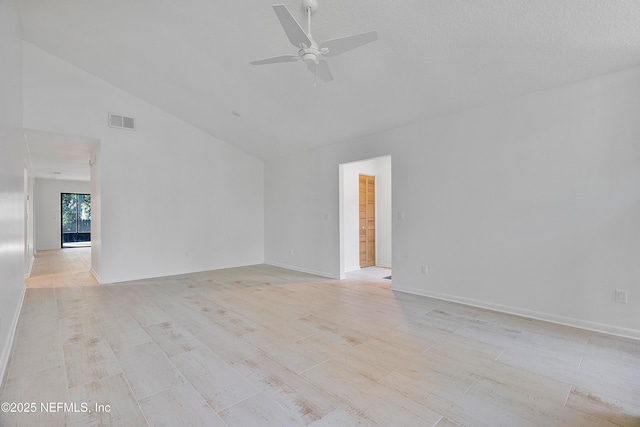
(309, 57)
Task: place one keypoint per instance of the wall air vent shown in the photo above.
(122, 122)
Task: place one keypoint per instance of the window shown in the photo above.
(76, 219)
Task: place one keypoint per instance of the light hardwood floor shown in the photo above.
(264, 346)
(62, 268)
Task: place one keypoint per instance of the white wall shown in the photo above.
(29, 226)
(380, 168)
(47, 209)
(530, 206)
(12, 164)
(172, 198)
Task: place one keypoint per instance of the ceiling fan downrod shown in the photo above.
(309, 6)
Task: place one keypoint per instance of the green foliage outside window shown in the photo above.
(76, 213)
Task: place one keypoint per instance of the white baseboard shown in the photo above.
(531, 314)
(303, 270)
(8, 347)
(96, 275)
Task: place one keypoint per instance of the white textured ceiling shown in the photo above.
(190, 58)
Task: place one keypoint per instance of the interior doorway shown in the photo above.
(378, 225)
(69, 164)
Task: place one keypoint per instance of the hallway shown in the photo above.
(62, 268)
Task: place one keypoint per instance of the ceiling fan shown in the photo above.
(309, 51)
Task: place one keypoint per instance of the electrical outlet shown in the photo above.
(621, 296)
(424, 269)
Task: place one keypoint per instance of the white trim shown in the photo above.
(304, 270)
(6, 351)
(537, 315)
(96, 275)
(31, 261)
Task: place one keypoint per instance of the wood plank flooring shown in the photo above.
(264, 346)
(62, 268)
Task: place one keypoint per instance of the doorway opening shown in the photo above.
(365, 217)
(60, 164)
(75, 220)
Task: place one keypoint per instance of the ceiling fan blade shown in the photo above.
(295, 33)
(276, 59)
(321, 71)
(344, 44)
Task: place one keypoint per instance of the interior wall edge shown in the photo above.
(10, 343)
(30, 266)
(530, 314)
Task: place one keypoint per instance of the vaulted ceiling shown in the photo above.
(191, 59)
